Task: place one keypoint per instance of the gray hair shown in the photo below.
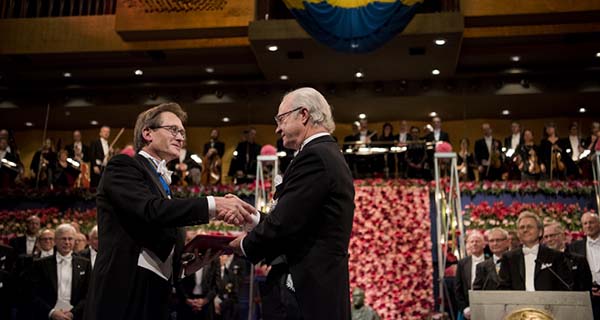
(529, 214)
(151, 119)
(65, 227)
(591, 214)
(93, 231)
(502, 231)
(315, 103)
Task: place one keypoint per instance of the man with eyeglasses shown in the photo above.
(487, 272)
(309, 226)
(554, 238)
(45, 247)
(534, 267)
(139, 223)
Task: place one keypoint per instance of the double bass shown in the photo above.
(211, 168)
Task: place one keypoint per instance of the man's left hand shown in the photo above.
(236, 244)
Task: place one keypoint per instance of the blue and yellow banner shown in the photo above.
(353, 25)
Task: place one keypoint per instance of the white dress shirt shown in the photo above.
(514, 141)
(574, 140)
(48, 253)
(105, 147)
(30, 244)
(530, 255)
(436, 134)
(593, 257)
(198, 287)
(93, 254)
(2, 155)
(488, 143)
(64, 273)
(182, 154)
(402, 136)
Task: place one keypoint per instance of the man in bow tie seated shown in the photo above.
(487, 272)
(589, 247)
(465, 272)
(60, 282)
(534, 267)
(139, 222)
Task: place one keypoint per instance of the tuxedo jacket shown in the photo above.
(310, 226)
(512, 271)
(220, 146)
(84, 149)
(579, 247)
(44, 281)
(96, 153)
(481, 149)
(462, 282)
(508, 142)
(134, 212)
(19, 244)
(580, 270)
(8, 258)
(486, 276)
(444, 136)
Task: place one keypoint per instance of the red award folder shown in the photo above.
(202, 250)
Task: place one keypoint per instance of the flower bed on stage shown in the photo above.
(390, 249)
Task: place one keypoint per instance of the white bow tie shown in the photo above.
(164, 172)
(595, 243)
(60, 259)
(533, 251)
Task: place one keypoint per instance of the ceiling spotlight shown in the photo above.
(362, 116)
(209, 69)
(29, 124)
(440, 42)
(505, 112)
(582, 110)
(272, 48)
(433, 114)
(359, 75)
(515, 58)
(435, 72)
(283, 77)
(94, 122)
(597, 54)
(138, 72)
(225, 119)
(67, 74)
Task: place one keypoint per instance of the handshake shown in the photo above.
(233, 210)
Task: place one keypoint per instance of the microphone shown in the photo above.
(564, 283)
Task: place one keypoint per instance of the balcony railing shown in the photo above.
(14, 9)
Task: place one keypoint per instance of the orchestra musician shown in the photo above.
(100, 153)
(527, 157)
(552, 153)
(465, 162)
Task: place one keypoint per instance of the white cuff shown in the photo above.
(50, 314)
(242, 246)
(212, 207)
(251, 225)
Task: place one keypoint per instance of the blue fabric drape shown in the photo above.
(359, 29)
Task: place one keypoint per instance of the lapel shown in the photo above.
(540, 259)
(467, 271)
(280, 187)
(521, 266)
(152, 173)
(52, 271)
(76, 275)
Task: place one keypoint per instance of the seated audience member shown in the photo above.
(589, 247)
(465, 272)
(45, 244)
(80, 242)
(534, 267)
(196, 292)
(25, 244)
(230, 277)
(514, 241)
(487, 272)
(60, 282)
(554, 238)
(361, 311)
(91, 251)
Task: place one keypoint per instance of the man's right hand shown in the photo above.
(59, 314)
(233, 210)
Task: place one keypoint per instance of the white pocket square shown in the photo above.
(546, 266)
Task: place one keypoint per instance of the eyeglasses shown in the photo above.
(497, 240)
(551, 235)
(174, 130)
(280, 117)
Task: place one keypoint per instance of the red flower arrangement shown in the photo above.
(390, 249)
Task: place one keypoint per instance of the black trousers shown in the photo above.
(151, 297)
